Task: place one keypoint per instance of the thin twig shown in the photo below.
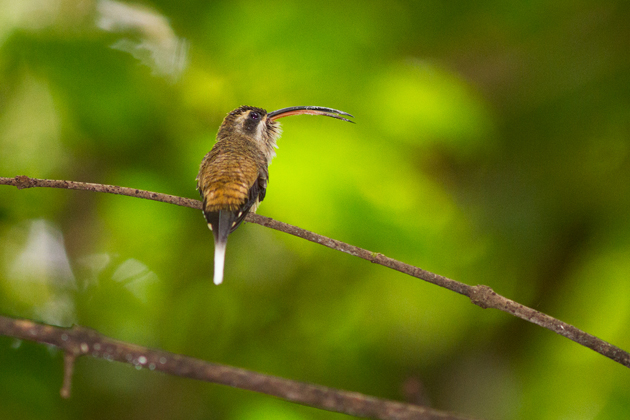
(78, 341)
(68, 369)
(480, 295)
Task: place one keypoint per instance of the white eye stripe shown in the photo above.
(260, 131)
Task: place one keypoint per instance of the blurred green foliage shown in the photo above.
(491, 146)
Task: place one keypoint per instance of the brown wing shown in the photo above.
(256, 195)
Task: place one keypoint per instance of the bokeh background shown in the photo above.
(492, 146)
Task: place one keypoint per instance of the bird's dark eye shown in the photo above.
(254, 115)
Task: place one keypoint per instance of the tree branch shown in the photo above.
(482, 296)
(78, 341)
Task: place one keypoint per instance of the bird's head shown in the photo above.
(261, 126)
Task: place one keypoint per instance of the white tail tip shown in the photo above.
(219, 262)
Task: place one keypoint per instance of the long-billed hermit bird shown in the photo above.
(233, 176)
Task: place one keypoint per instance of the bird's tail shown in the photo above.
(219, 261)
(220, 225)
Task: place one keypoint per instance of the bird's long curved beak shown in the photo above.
(311, 110)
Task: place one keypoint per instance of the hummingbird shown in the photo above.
(233, 176)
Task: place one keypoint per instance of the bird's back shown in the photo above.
(227, 174)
